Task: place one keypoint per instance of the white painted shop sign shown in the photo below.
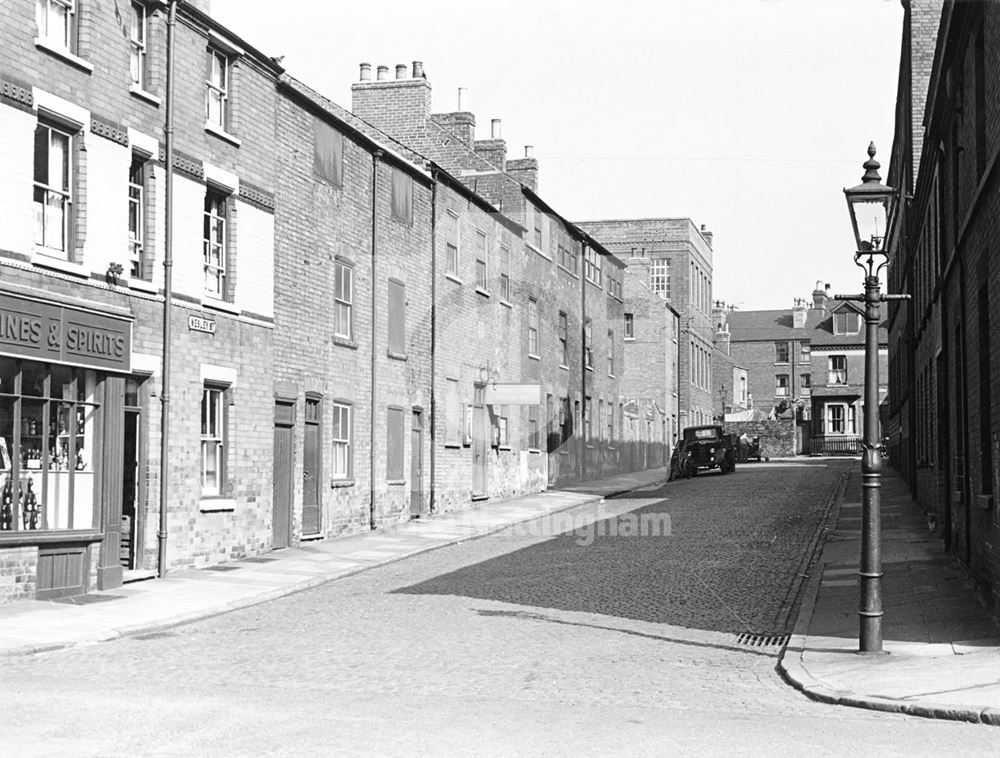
(199, 324)
(513, 394)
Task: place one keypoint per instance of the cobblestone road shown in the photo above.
(518, 644)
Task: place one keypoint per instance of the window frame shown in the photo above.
(218, 89)
(563, 327)
(221, 439)
(66, 39)
(833, 373)
(846, 314)
(505, 293)
(659, 276)
(611, 352)
(343, 302)
(451, 244)
(138, 45)
(782, 389)
(629, 328)
(482, 261)
(212, 222)
(533, 336)
(137, 215)
(342, 439)
(47, 189)
(782, 352)
(328, 153)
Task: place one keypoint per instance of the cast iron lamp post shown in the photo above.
(871, 205)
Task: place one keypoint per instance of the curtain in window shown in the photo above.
(402, 196)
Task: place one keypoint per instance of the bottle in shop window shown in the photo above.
(6, 509)
(30, 507)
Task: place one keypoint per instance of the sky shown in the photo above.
(747, 116)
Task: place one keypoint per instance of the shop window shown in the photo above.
(343, 298)
(53, 197)
(46, 459)
(57, 23)
(328, 153)
(402, 197)
(138, 32)
(217, 89)
(213, 440)
(136, 217)
(214, 241)
(343, 458)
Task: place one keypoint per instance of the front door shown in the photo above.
(311, 468)
(417, 465)
(130, 489)
(281, 502)
(479, 442)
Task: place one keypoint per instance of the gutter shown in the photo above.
(168, 264)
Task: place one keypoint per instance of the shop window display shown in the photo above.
(47, 415)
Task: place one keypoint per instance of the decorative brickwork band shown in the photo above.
(18, 95)
(256, 196)
(185, 164)
(109, 130)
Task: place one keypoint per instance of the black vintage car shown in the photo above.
(702, 448)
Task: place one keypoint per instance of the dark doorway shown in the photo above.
(417, 464)
(479, 442)
(311, 467)
(284, 455)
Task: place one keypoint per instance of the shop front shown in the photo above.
(63, 382)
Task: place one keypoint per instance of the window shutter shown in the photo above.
(402, 188)
(394, 444)
(397, 317)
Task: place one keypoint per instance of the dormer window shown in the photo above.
(846, 322)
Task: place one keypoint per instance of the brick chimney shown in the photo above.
(820, 295)
(494, 149)
(719, 314)
(400, 107)
(707, 235)
(525, 170)
(799, 312)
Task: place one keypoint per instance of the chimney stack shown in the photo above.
(495, 129)
(400, 107)
(401, 70)
(418, 70)
(799, 312)
(707, 235)
(819, 297)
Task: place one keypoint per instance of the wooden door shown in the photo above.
(417, 465)
(479, 442)
(311, 465)
(284, 456)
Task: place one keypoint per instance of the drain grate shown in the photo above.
(751, 639)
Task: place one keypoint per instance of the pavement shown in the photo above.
(153, 605)
(941, 650)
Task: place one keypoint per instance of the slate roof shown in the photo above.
(776, 326)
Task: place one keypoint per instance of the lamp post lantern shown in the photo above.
(871, 205)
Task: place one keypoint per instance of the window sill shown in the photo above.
(142, 285)
(452, 445)
(630, 339)
(589, 368)
(535, 450)
(453, 278)
(217, 505)
(396, 356)
(611, 376)
(478, 497)
(506, 448)
(564, 367)
(506, 303)
(219, 305)
(537, 250)
(338, 483)
(345, 342)
(142, 94)
(396, 482)
(534, 357)
(47, 261)
(568, 271)
(481, 291)
(66, 55)
(222, 134)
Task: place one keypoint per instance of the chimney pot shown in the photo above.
(418, 70)
(400, 70)
(382, 73)
(529, 151)
(495, 128)
(462, 91)
(366, 72)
